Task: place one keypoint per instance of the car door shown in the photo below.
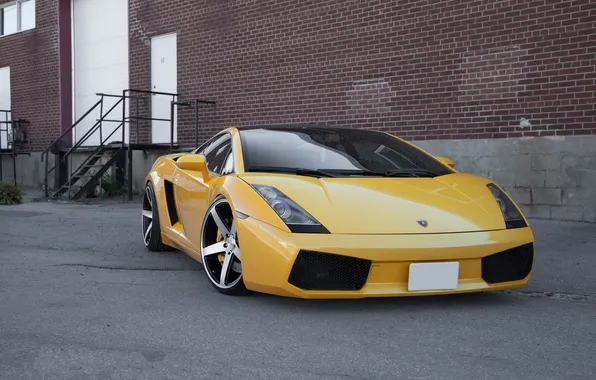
(193, 190)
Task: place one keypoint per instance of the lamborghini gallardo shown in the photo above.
(330, 212)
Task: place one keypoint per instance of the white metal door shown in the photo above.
(100, 64)
(164, 77)
(4, 105)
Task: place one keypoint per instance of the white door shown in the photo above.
(100, 64)
(4, 106)
(164, 78)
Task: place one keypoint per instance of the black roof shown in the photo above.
(296, 127)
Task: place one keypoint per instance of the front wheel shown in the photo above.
(220, 249)
(150, 222)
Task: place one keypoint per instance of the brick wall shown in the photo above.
(424, 69)
(34, 66)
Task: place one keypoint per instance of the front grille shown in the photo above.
(511, 265)
(325, 271)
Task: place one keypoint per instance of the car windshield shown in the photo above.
(333, 152)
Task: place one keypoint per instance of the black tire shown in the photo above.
(151, 238)
(230, 249)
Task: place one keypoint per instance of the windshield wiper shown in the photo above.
(340, 172)
(298, 171)
(354, 172)
(389, 173)
(410, 172)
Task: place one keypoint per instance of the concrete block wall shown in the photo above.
(551, 177)
(31, 170)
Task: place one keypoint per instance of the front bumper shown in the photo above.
(359, 266)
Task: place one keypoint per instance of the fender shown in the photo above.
(244, 199)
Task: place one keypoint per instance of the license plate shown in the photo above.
(433, 276)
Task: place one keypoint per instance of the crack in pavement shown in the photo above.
(553, 295)
(105, 267)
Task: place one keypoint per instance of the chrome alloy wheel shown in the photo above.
(147, 214)
(220, 250)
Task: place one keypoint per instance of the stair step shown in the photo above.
(75, 178)
(84, 173)
(93, 166)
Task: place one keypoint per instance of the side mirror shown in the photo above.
(446, 160)
(193, 162)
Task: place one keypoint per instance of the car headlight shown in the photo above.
(294, 216)
(511, 214)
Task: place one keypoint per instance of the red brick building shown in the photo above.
(30, 61)
(506, 87)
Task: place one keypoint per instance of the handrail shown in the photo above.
(6, 113)
(91, 131)
(45, 151)
(185, 103)
(118, 96)
(152, 92)
(12, 142)
(87, 134)
(95, 151)
(111, 134)
(135, 95)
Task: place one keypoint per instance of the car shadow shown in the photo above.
(454, 301)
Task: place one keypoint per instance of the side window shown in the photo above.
(216, 158)
(207, 145)
(201, 149)
(228, 167)
(211, 143)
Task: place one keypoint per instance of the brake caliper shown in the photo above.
(220, 237)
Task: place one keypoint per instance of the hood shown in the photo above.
(451, 203)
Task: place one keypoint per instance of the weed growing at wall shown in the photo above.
(9, 194)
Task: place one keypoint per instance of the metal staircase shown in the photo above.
(76, 179)
(89, 173)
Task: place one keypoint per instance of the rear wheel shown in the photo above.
(220, 249)
(150, 222)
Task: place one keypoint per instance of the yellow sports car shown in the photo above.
(321, 212)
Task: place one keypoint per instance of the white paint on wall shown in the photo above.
(164, 74)
(525, 123)
(100, 64)
(5, 104)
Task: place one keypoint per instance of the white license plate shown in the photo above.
(433, 276)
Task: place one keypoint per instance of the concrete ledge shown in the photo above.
(550, 177)
(31, 170)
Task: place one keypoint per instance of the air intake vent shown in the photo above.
(324, 271)
(171, 202)
(511, 265)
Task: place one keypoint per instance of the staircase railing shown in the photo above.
(52, 146)
(5, 116)
(103, 141)
(138, 118)
(68, 155)
(96, 151)
(13, 129)
(187, 103)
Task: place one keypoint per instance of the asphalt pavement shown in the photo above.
(81, 298)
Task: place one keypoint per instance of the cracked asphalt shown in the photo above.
(81, 298)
